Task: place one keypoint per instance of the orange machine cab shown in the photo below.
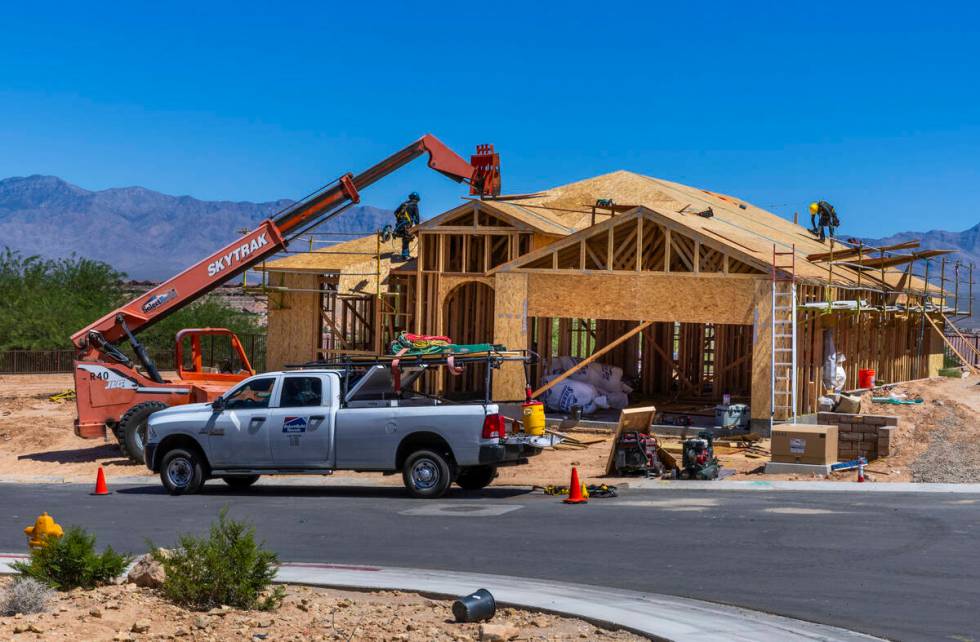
(105, 391)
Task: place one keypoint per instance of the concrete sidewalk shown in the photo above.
(661, 617)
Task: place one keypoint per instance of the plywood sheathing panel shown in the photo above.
(641, 297)
(293, 320)
(761, 348)
(510, 329)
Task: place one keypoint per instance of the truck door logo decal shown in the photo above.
(294, 424)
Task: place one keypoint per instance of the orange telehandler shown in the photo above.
(112, 393)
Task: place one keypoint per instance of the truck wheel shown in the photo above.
(132, 429)
(476, 477)
(181, 472)
(241, 481)
(426, 474)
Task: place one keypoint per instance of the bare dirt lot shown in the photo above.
(127, 612)
(938, 440)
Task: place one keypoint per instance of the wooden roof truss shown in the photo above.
(640, 240)
(472, 218)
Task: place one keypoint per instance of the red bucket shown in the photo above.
(866, 378)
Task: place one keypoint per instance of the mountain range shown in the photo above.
(146, 234)
(152, 236)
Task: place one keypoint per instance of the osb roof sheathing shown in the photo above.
(337, 257)
(735, 222)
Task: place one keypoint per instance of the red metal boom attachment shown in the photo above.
(486, 171)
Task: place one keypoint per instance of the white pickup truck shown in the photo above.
(319, 421)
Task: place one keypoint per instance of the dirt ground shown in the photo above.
(938, 440)
(127, 612)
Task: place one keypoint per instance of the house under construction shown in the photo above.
(694, 294)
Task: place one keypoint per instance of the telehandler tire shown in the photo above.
(131, 431)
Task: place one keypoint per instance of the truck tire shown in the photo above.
(426, 474)
(131, 431)
(240, 482)
(476, 477)
(181, 471)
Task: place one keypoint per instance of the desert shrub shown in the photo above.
(226, 567)
(71, 562)
(25, 595)
(44, 301)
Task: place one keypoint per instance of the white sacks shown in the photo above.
(595, 386)
(569, 392)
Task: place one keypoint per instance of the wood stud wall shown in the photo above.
(452, 289)
(898, 346)
(348, 321)
(680, 361)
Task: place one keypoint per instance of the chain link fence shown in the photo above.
(60, 361)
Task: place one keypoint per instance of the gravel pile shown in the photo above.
(953, 455)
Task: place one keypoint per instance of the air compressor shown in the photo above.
(699, 461)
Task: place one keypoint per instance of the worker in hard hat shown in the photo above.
(822, 218)
(407, 216)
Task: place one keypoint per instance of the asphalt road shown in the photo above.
(902, 566)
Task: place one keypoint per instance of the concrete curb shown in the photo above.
(659, 616)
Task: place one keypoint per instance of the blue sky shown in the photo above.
(872, 106)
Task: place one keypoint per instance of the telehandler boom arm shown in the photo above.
(94, 342)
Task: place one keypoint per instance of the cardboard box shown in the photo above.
(804, 444)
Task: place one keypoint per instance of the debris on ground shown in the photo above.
(37, 440)
(129, 612)
(952, 456)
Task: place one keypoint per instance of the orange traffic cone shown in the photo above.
(100, 485)
(575, 495)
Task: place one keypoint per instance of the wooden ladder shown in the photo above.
(782, 400)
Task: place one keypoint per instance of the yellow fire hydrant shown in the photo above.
(43, 527)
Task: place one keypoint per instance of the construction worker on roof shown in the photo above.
(822, 217)
(407, 216)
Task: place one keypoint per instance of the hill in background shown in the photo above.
(152, 236)
(967, 246)
(146, 234)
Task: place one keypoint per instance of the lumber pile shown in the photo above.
(569, 442)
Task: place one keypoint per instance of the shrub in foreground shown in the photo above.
(71, 562)
(227, 567)
(25, 595)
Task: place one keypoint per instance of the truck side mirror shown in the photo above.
(218, 404)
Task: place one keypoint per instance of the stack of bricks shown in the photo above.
(867, 436)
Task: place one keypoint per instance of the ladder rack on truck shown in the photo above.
(492, 358)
